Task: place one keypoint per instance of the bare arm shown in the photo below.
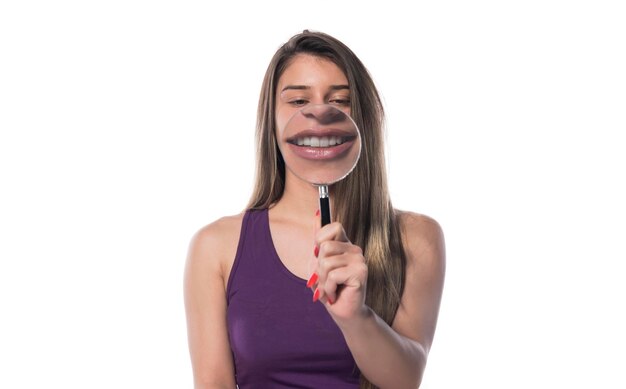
(394, 357)
(205, 304)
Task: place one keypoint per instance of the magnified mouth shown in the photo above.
(321, 145)
(319, 141)
(321, 138)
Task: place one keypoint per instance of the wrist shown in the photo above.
(357, 322)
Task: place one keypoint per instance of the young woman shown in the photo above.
(275, 301)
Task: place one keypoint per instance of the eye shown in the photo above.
(298, 102)
(344, 102)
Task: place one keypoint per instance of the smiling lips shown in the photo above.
(316, 141)
(321, 145)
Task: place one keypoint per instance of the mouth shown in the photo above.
(322, 144)
(320, 148)
(322, 138)
(319, 141)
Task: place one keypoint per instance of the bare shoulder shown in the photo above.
(211, 253)
(422, 237)
(214, 246)
(223, 228)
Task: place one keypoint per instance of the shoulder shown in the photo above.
(212, 249)
(214, 246)
(223, 228)
(423, 243)
(422, 238)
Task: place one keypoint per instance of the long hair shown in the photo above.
(361, 200)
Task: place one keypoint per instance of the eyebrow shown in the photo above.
(303, 87)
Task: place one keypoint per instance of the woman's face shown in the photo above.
(318, 140)
(310, 80)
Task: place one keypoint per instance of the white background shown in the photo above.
(127, 125)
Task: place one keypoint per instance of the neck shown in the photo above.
(300, 199)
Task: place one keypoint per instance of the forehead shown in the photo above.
(312, 71)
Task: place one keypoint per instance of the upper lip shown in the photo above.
(320, 132)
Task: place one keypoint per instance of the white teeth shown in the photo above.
(315, 141)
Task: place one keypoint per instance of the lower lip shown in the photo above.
(321, 153)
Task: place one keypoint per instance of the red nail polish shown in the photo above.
(312, 280)
(330, 301)
(317, 213)
(316, 251)
(316, 295)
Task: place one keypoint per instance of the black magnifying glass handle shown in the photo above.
(324, 205)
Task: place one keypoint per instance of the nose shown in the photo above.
(324, 114)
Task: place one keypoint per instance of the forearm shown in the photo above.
(386, 358)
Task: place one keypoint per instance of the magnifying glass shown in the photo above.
(321, 145)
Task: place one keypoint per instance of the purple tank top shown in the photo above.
(278, 336)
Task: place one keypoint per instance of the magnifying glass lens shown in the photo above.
(320, 144)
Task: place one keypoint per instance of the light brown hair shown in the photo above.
(361, 201)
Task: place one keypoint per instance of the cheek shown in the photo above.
(282, 118)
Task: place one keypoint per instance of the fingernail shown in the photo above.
(312, 280)
(316, 295)
(317, 213)
(330, 301)
(316, 251)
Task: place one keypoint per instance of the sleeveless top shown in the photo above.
(279, 337)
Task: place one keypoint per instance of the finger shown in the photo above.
(327, 268)
(333, 247)
(332, 231)
(346, 276)
(332, 255)
(326, 265)
(330, 288)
